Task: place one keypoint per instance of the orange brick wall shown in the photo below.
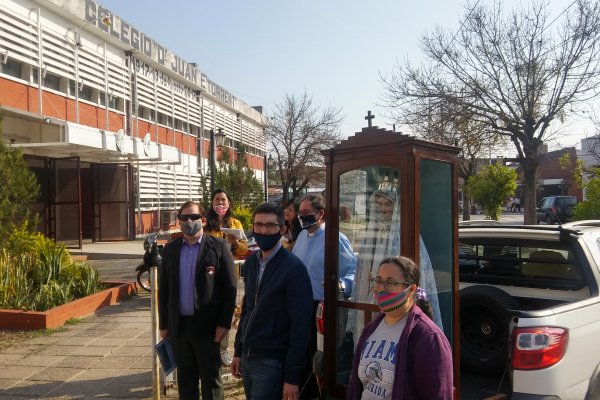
(15, 95)
(25, 97)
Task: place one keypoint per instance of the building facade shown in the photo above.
(115, 125)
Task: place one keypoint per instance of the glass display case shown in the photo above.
(389, 194)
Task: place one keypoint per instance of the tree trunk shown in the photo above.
(284, 194)
(529, 193)
(466, 211)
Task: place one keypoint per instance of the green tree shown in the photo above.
(589, 180)
(491, 186)
(18, 185)
(590, 207)
(237, 178)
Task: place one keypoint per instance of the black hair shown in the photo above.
(294, 227)
(212, 218)
(412, 274)
(270, 208)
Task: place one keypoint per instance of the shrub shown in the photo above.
(490, 188)
(37, 274)
(590, 208)
(244, 214)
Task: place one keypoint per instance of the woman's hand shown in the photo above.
(231, 239)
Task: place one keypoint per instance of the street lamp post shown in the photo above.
(216, 141)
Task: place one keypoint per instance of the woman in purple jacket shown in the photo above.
(401, 354)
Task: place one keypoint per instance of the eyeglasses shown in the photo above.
(269, 225)
(387, 284)
(193, 217)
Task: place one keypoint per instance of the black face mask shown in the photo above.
(267, 242)
(306, 221)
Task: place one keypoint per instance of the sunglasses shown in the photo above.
(193, 217)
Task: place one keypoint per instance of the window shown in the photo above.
(500, 262)
(162, 118)
(12, 68)
(114, 103)
(86, 93)
(178, 124)
(52, 81)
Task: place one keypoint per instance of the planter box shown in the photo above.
(57, 316)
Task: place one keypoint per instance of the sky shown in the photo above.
(335, 50)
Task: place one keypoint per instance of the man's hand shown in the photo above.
(220, 333)
(164, 333)
(290, 392)
(236, 367)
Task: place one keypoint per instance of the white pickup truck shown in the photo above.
(530, 308)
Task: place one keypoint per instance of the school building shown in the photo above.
(115, 126)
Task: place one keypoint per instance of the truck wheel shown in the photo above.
(484, 329)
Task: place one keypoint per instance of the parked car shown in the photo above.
(555, 209)
(530, 308)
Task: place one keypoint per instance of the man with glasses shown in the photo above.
(273, 333)
(196, 302)
(310, 248)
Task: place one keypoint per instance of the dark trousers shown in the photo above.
(198, 359)
(308, 385)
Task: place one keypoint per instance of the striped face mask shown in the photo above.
(390, 301)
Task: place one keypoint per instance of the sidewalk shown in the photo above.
(107, 355)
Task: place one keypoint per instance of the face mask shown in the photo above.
(306, 221)
(221, 210)
(267, 242)
(389, 301)
(190, 227)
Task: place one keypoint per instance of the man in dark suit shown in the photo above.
(197, 292)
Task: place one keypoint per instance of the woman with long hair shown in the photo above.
(290, 213)
(402, 353)
(219, 216)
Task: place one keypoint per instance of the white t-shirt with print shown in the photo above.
(378, 361)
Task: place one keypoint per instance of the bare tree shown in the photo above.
(297, 132)
(515, 73)
(452, 125)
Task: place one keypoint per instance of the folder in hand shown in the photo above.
(164, 349)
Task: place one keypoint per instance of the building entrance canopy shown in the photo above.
(54, 138)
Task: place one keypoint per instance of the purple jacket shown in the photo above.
(424, 360)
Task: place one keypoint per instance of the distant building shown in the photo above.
(553, 179)
(115, 125)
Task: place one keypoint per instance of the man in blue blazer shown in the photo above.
(272, 338)
(197, 292)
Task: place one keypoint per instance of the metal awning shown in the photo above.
(50, 137)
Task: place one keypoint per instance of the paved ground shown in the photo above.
(107, 355)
